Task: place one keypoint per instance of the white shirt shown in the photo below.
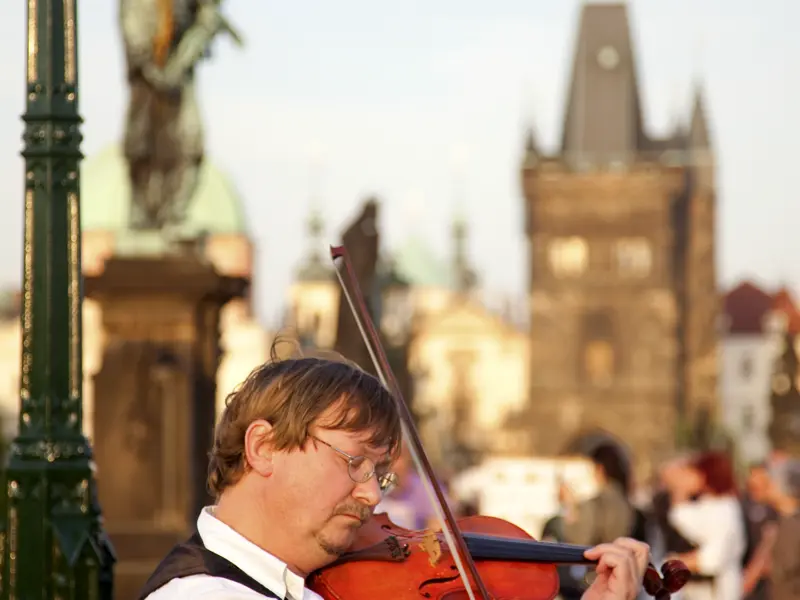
(262, 566)
(715, 525)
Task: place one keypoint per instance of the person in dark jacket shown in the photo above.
(785, 567)
(607, 516)
(760, 516)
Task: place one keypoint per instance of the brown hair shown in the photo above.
(291, 394)
(717, 470)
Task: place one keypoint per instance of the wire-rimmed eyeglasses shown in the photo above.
(361, 468)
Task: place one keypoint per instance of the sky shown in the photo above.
(425, 104)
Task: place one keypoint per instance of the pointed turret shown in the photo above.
(698, 142)
(603, 120)
(465, 276)
(531, 156)
(313, 267)
(699, 137)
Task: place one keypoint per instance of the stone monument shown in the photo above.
(160, 297)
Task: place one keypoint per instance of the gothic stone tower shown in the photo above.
(622, 283)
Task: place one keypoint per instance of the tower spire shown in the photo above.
(531, 155)
(699, 137)
(464, 273)
(603, 119)
(313, 266)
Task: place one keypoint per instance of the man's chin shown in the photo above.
(338, 542)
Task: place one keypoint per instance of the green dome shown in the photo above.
(106, 196)
(417, 263)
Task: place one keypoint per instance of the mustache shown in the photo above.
(354, 510)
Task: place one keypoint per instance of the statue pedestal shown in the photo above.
(154, 409)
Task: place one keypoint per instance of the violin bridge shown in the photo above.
(430, 545)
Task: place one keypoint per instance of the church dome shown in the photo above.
(216, 207)
(417, 263)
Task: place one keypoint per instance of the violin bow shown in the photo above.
(455, 541)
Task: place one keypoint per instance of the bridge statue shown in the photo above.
(164, 42)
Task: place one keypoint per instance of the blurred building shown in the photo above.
(623, 297)
(313, 302)
(753, 332)
(468, 364)
(784, 428)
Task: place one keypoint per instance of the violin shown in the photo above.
(475, 557)
(389, 561)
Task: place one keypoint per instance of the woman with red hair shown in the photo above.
(705, 509)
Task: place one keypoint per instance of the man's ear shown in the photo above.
(257, 447)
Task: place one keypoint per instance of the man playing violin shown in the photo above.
(301, 458)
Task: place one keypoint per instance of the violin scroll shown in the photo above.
(675, 575)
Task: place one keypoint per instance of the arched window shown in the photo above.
(568, 257)
(633, 257)
(599, 361)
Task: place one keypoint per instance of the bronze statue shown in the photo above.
(362, 240)
(164, 42)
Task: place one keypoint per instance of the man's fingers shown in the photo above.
(640, 550)
(618, 561)
(596, 552)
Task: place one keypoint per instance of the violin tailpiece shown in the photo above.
(390, 550)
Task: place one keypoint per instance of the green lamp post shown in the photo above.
(53, 544)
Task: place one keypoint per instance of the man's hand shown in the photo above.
(620, 570)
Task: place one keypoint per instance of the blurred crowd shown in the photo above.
(740, 537)
(740, 540)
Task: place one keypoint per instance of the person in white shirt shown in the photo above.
(300, 460)
(707, 512)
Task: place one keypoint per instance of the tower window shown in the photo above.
(599, 360)
(569, 257)
(633, 257)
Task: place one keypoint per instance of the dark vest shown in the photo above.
(193, 558)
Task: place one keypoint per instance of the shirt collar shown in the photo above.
(268, 570)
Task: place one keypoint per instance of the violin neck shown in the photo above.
(487, 547)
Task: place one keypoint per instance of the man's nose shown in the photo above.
(368, 492)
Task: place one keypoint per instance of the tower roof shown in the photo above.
(746, 307)
(785, 304)
(603, 120)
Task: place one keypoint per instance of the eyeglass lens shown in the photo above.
(362, 468)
